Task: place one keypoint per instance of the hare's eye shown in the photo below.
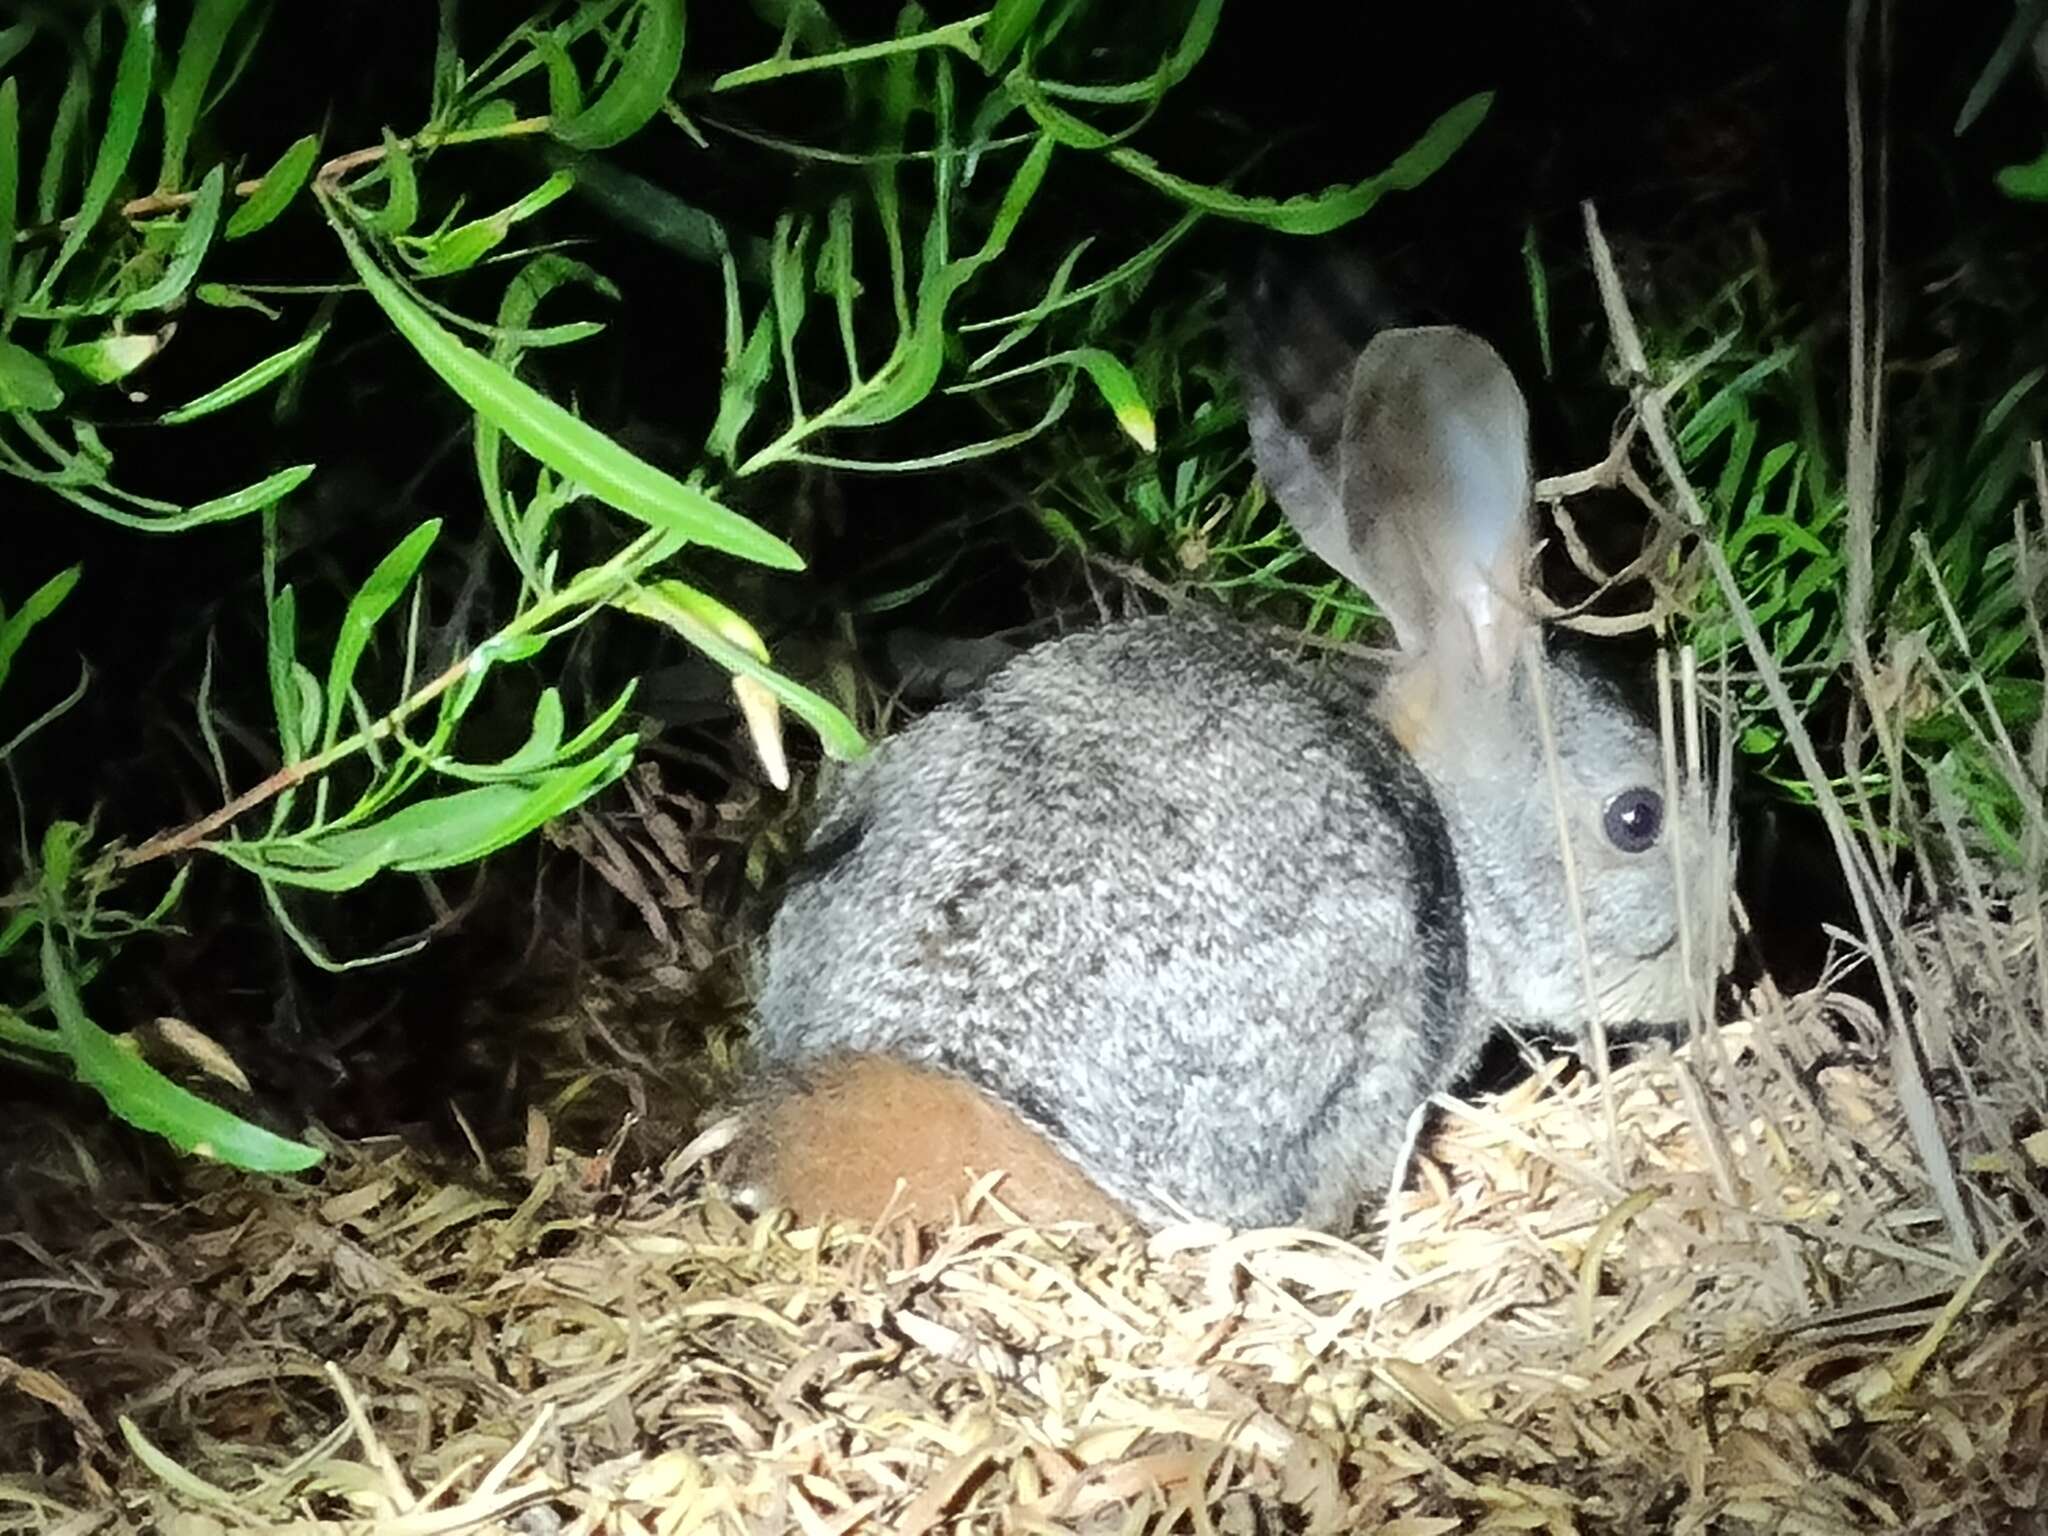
(1634, 819)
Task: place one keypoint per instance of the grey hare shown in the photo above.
(1161, 921)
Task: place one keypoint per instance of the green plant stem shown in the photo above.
(954, 34)
(138, 208)
(594, 586)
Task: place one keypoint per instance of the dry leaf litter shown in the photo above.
(1732, 1305)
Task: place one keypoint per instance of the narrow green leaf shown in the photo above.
(195, 239)
(222, 296)
(600, 726)
(786, 267)
(442, 832)
(125, 110)
(1057, 123)
(13, 39)
(459, 249)
(146, 1099)
(10, 182)
(251, 498)
(1117, 385)
(532, 283)
(464, 246)
(281, 654)
(67, 122)
(247, 382)
(386, 584)
(41, 603)
(1334, 207)
(682, 608)
(401, 208)
(565, 85)
(184, 97)
(26, 383)
(531, 756)
(913, 369)
(1008, 24)
(650, 58)
(274, 193)
(562, 441)
(1538, 277)
(739, 392)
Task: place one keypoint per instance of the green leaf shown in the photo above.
(274, 193)
(442, 832)
(562, 441)
(124, 124)
(184, 98)
(1336, 206)
(386, 584)
(463, 247)
(2027, 182)
(251, 498)
(457, 250)
(739, 391)
(1008, 25)
(1059, 124)
(401, 208)
(532, 756)
(10, 182)
(195, 239)
(26, 383)
(532, 283)
(13, 39)
(281, 652)
(913, 368)
(67, 122)
(687, 611)
(1112, 380)
(146, 1099)
(248, 381)
(221, 296)
(42, 602)
(110, 358)
(651, 55)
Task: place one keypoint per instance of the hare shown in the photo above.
(1160, 922)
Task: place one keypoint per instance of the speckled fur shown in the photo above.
(1212, 922)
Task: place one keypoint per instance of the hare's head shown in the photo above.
(1402, 459)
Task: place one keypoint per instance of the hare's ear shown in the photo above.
(1299, 323)
(1433, 478)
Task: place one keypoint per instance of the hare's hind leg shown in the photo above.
(836, 1141)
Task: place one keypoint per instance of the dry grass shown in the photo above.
(1759, 1325)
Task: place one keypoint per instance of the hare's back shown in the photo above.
(1154, 888)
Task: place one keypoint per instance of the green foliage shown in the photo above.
(846, 336)
(1952, 629)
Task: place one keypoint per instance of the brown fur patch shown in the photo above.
(836, 1144)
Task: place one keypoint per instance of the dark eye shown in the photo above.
(1634, 819)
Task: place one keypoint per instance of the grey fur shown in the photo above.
(1191, 908)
